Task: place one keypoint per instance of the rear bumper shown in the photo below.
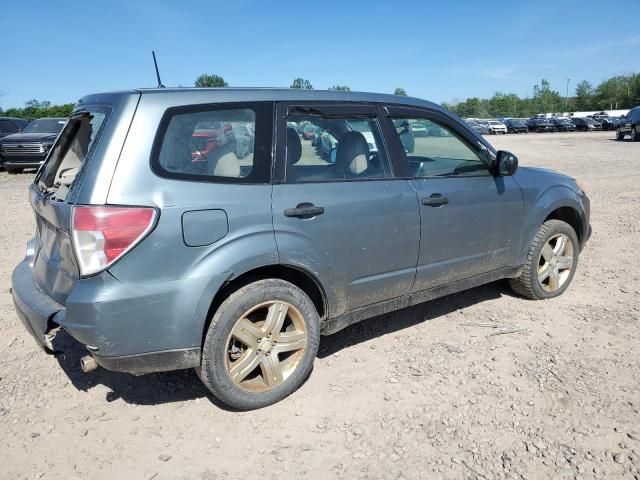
(36, 311)
(134, 329)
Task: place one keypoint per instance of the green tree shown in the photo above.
(400, 91)
(340, 88)
(616, 92)
(206, 80)
(546, 100)
(301, 83)
(584, 96)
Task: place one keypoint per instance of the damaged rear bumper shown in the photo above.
(42, 317)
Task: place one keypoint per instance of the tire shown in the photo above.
(634, 134)
(528, 283)
(13, 171)
(619, 135)
(254, 301)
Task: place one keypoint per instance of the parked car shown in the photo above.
(606, 122)
(481, 128)
(562, 124)
(419, 129)
(308, 131)
(9, 125)
(29, 148)
(516, 126)
(497, 127)
(236, 271)
(586, 124)
(540, 125)
(630, 125)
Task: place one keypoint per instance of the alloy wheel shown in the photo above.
(265, 346)
(555, 262)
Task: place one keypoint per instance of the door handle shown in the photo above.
(435, 200)
(304, 210)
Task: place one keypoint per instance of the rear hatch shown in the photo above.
(61, 183)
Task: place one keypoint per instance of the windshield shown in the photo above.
(359, 125)
(45, 125)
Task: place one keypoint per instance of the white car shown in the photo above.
(419, 129)
(497, 127)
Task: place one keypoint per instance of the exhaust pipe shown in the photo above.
(88, 364)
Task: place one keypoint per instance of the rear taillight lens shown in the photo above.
(101, 235)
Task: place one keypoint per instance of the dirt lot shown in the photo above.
(435, 391)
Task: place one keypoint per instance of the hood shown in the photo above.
(29, 137)
(546, 171)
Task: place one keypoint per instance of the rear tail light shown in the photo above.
(102, 235)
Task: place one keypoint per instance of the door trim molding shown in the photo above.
(333, 325)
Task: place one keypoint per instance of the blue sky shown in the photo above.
(62, 50)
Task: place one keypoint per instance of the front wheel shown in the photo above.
(551, 262)
(634, 134)
(260, 345)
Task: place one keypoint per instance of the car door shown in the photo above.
(342, 214)
(471, 220)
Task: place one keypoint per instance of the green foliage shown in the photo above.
(210, 81)
(301, 83)
(400, 91)
(340, 88)
(618, 92)
(584, 96)
(39, 108)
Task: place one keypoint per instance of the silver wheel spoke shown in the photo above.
(247, 333)
(290, 341)
(554, 279)
(244, 366)
(565, 263)
(561, 244)
(547, 252)
(543, 272)
(271, 369)
(275, 318)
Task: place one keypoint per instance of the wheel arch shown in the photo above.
(299, 277)
(571, 216)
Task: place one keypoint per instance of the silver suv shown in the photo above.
(196, 228)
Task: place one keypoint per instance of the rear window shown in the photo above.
(74, 146)
(228, 143)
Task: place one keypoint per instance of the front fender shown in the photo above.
(539, 204)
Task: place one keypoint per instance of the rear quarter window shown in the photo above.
(227, 143)
(73, 148)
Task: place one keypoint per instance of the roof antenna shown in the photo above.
(160, 85)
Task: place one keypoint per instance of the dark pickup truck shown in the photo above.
(29, 148)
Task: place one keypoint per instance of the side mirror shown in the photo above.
(506, 163)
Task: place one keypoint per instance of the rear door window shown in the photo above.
(74, 146)
(228, 143)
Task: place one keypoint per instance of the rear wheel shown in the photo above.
(551, 262)
(260, 345)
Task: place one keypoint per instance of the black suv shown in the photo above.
(540, 125)
(516, 126)
(9, 125)
(586, 124)
(630, 125)
(29, 148)
(562, 125)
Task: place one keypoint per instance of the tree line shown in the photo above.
(618, 92)
(37, 109)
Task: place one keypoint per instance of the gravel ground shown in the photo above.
(434, 391)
